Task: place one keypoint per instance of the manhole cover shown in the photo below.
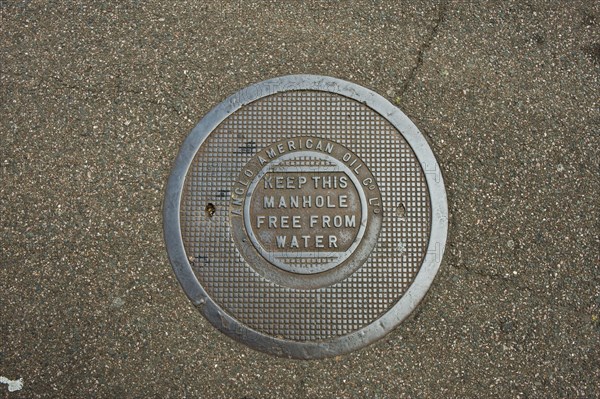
(305, 216)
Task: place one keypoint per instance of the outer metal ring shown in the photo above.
(311, 349)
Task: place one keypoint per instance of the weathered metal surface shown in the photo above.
(306, 216)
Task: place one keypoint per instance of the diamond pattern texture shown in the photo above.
(341, 308)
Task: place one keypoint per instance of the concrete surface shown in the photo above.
(98, 96)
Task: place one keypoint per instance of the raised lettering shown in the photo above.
(236, 201)
(337, 221)
(294, 242)
(374, 201)
(305, 238)
(329, 203)
(290, 182)
(281, 241)
(350, 221)
(301, 181)
(279, 182)
(306, 201)
(313, 220)
(316, 180)
(343, 201)
(268, 181)
(343, 182)
(269, 202)
(333, 242)
(282, 202)
(319, 201)
(319, 241)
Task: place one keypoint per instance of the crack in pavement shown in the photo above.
(423, 49)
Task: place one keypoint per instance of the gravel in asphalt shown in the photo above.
(97, 97)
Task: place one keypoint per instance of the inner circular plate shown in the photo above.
(306, 216)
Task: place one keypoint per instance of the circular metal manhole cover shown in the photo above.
(305, 216)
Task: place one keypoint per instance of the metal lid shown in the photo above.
(305, 216)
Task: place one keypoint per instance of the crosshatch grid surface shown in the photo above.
(341, 308)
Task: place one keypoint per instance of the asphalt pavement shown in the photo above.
(97, 97)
